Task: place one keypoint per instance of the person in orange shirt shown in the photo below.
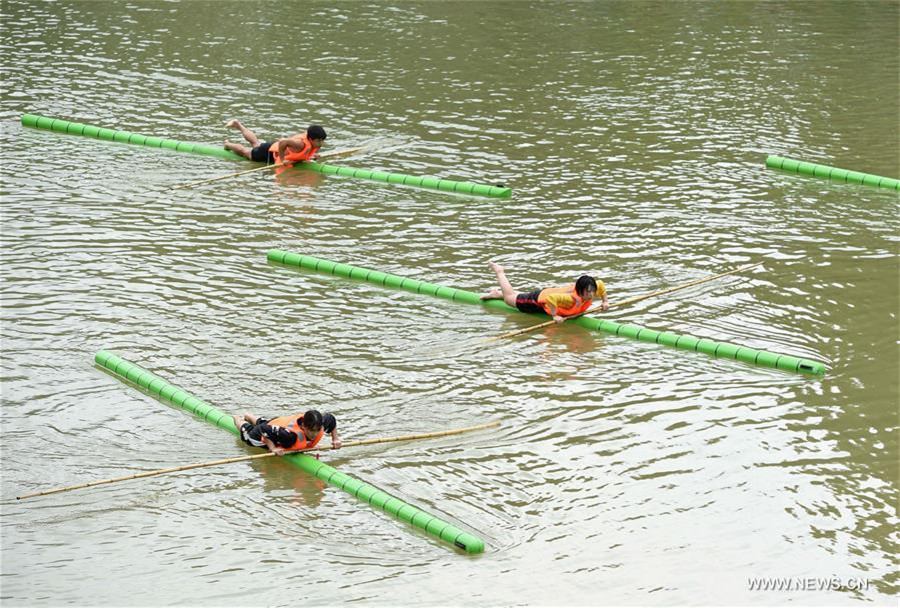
(287, 433)
(289, 150)
(558, 302)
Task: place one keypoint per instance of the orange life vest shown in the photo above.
(293, 423)
(579, 305)
(307, 152)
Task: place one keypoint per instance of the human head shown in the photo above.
(315, 132)
(312, 423)
(586, 287)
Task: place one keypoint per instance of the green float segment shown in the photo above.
(702, 345)
(377, 498)
(434, 183)
(842, 175)
(125, 137)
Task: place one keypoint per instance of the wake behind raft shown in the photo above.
(126, 137)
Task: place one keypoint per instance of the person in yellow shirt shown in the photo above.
(558, 302)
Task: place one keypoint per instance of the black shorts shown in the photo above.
(261, 154)
(528, 302)
(251, 433)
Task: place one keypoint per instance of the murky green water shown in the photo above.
(634, 135)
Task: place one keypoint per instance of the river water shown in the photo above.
(634, 135)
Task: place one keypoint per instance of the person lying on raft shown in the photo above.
(558, 302)
(287, 433)
(300, 147)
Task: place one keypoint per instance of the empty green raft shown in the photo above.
(125, 137)
(377, 498)
(824, 171)
(702, 345)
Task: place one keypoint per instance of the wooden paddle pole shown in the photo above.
(214, 463)
(215, 179)
(337, 153)
(221, 177)
(468, 429)
(186, 467)
(630, 300)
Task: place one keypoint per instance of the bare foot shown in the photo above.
(494, 294)
(234, 123)
(496, 267)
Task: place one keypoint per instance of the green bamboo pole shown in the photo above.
(434, 183)
(446, 185)
(628, 330)
(842, 175)
(124, 137)
(377, 498)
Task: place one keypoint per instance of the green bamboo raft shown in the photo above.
(842, 175)
(125, 137)
(379, 499)
(628, 330)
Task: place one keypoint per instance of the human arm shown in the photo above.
(329, 424)
(272, 447)
(601, 294)
(282, 149)
(556, 317)
(556, 301)
(550, 309)
(290, 144)
(277, 439)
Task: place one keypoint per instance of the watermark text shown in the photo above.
(807, 583)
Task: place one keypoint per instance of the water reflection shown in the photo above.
(277, 476)
(298, 177)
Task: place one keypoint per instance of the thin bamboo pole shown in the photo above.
(629, 300)
(215, 179)
(213, 463)
(468, 429)
(221, 177)
(337, 153)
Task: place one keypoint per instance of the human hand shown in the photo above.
(336, 445)
(604, 305)
(558, 318)
(279, 451)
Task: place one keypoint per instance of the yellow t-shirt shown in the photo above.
(561, 297)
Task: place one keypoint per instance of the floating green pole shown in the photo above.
(842, 175)
(702, 345)
(361, 490)
(434, 183)
(125, 137)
